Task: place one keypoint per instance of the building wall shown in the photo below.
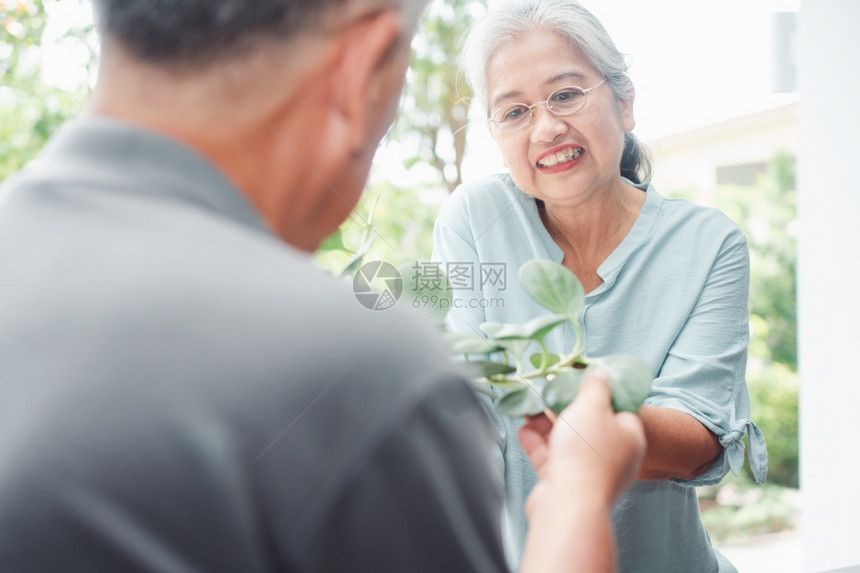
(828, 281)
(693, 160)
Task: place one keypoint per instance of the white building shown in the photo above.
(730, 152)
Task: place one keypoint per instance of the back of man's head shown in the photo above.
(198, 32)
(287, 98)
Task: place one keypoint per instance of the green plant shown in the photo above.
(738, 509)
(553, 381)
(390, 223)
(334, 243)
(767, 214)
(30, 110)
(436, 99)
(773, 399)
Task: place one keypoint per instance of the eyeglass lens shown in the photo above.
(565, 101)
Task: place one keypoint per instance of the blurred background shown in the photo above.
(717, 105)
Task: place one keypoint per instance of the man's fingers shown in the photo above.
(632, 426)
(594, 391)
(596, 384)
(536, 448)
(539, 423)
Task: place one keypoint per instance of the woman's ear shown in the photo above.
(628, 121)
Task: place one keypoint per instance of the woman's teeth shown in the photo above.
(567, 154)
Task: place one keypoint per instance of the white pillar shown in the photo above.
(829, 280)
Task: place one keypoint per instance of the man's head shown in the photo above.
(199, 32)
(289, 98)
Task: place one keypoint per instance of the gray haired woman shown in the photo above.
(665, 279)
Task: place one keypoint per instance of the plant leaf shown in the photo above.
(354, 263)
(489, 368)
(561, 390)
(515, 346)
(536, 359)
(630, 378)
(469, 344)
(491, 328)
(334, 242)
(509, 384)
(522, 402)
(553, 287)
(411, 162)
(535, 329)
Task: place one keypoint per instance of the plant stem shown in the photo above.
(578, 330)
(544, 358)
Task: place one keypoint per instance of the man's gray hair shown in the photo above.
(196, 32)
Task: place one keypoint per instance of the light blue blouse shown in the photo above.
(675, 292)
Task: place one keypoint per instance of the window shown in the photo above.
(744, 174)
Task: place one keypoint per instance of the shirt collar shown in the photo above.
(137, 160)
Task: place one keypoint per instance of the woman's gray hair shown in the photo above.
(571, 20)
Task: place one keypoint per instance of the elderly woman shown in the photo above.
(665, 279)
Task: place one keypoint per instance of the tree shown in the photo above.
(767, 214)
(32, 110)
(435, 109)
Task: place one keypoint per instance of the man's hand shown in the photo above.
(590, 448)
(584, 461)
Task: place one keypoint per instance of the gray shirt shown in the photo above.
(180, 391)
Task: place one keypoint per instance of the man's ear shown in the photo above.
(367, 77)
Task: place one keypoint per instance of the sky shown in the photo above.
(694, 63)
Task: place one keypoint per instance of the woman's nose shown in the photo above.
(546, 126)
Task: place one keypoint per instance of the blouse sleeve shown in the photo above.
(704, 371)
(454, 245)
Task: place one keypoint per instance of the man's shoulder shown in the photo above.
(146, 272)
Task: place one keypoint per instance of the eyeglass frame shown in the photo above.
(531, 108)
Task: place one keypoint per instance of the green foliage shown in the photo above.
(630, 378)
(557, 291)
(555, 380)
(30, 111)
(401, 230)
(562, 389)
(435, 103)
(22, 24)
(27, 120)
(767, 214)
(740, 509)
(767, 515)
(773, 399)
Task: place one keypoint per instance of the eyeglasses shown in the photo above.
(561, 102)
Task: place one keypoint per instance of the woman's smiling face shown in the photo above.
(560, 159)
